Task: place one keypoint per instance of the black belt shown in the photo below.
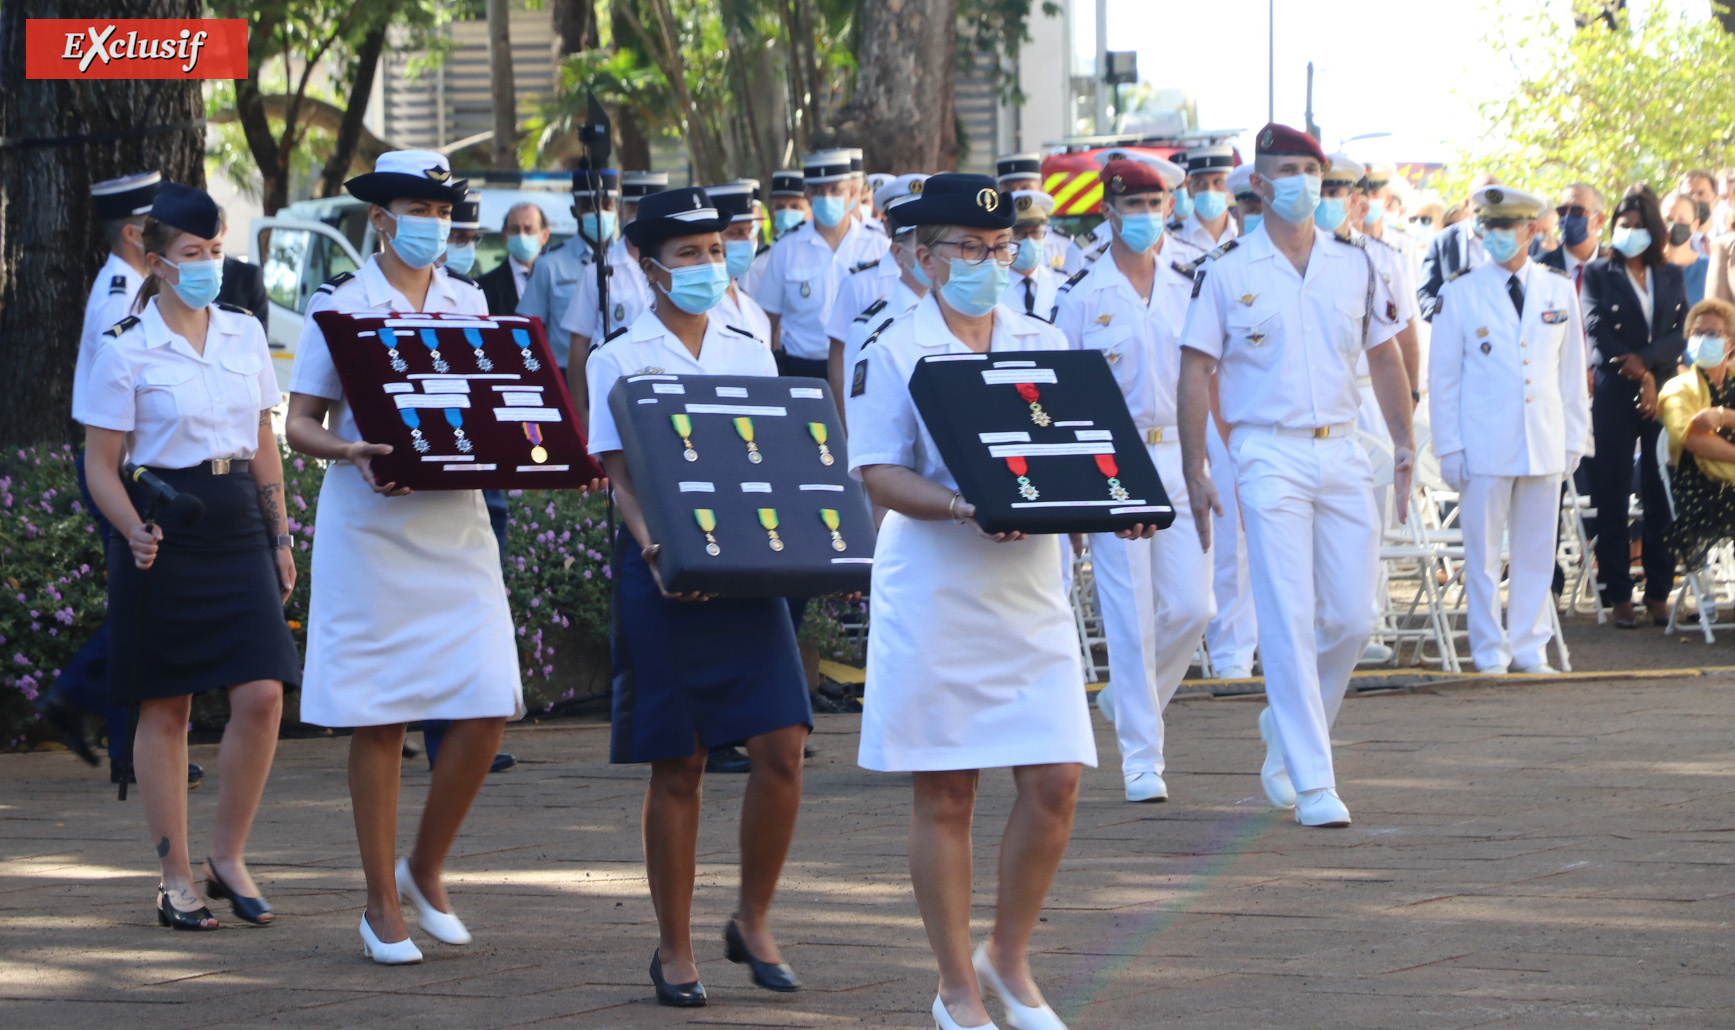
(221, 466)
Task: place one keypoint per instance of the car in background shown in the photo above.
(1071, 176)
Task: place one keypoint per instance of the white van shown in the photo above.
(310, 241)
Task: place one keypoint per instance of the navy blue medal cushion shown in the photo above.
(1040, 441)
(744, 481)
(468, 402)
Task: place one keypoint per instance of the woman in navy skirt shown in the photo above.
(184, 388)
(692, 674)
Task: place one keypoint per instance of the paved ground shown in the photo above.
(1544, 855)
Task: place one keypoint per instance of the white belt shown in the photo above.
(1311, 432)
(1162, 434)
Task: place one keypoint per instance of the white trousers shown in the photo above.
(1233, 633)
(1527, 509)
(1312, 548)
(1156, 600)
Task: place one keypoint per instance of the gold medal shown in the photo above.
(707, 520)
(768, 519)
(830, 518)
(539, 454)
(533, 433)
(684, 429)
(744, 426)
(819, 433)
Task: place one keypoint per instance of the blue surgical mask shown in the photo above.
(1251, 222)
(975, 289)
(1294, 197)
(1140, 231)
(1501, 244)
(1376, 213)
(1706, 351)
(695, 289)
(419, 240)
(460, 258)
(1329, 214)
(1030, 254)
(786, 219)
(916, 272)
(1574, 229)
(1632, 240)
(1183, 203)
(597, 227)
(1210, 204)
(523, 247)
(830, 210)
(199, 282)
(738, 255)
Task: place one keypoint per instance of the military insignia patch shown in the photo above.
(1247, 299)
(858, 382)
(1255, 337)
(620, 312)
(437, 173)
(806, 290)
(117, 285)
(1391, 311)
(1481, 332)
(1198, 281)
(1105, 318)
(1553, 317)
(1486, 347)
(988, 199)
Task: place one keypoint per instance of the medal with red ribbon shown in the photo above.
(1033, 397)
(1021, 468)
(1106, 464)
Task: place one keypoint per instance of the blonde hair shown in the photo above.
(1711, 306)
(156, 238)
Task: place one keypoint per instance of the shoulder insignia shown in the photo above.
(1198, 281)
(461, 277)
(331, 285)
(1186, 269)
(1557, 271)
(122, 326)
(863, 266)
(1381, 241)
(1224, 249)
(234, 308)
(871, 310)
(858, 380)
(555, 247)
(736, 329)
(117, 285)
(1176, 225)
(622, 331)
(1077, 277)
(1460, 273)
(1348, 242)
(875, 335)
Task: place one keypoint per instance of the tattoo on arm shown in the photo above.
(264, 418)
(271, 507)
(163, 848)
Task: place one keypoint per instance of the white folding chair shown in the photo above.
(1412, 613)
(1088, 614)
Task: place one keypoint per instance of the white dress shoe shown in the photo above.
(444, 927)
(1321, 807)
(1274, 775)
(1375, 654)
(397, 953)
(1235, 672)
(943, 1020)
(1490, 670)
(1147, 786)
(1544, 669)
(1105, 703)
(1018, 1015)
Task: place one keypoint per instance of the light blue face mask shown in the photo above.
(1251, 222)
(1030, 254)
(787, 219)
(1376, 212)
(1210, 204)
(523, 247)
(1183, 203)
(738, 257)
(695, 289)
(1501, 244)
(829, 211)
(1631, 240)
(1294, 197)
(915, 268)
(975, 289)
(460, 258)
(199, 282)
(1140, 231)
(597, 227)
(1329, 214)
(419, 240)
(1707, 351)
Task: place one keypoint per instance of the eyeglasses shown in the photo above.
(1422, 220)
(1030, 232)
(1571, 210)
(974, 252)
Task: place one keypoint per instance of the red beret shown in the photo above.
(1126, 176)
(1281, 139)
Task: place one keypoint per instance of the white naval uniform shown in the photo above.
(553, 280)
(1038, 297)
(899, 300)
(756, 272)
(408, 619)
(801, 281)
(1096, 246)
(1193, 233)
(1061, 254)
(974, 659)
(740, 310)
(629, 295)
(857, 292)
(111, 296)
(1286, 347)
(1155, 594)
(1509, 394)
(1232, 638)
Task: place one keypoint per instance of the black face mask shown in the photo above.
(1701, 211)
(1679, 233)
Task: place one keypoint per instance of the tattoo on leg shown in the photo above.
(163, 848)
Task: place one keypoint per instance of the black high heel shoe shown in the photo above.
(681, 996)
(170, 916)
(251, 910)
(771, 976)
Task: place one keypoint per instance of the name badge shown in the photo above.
(1554, 317)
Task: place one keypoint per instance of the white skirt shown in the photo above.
(973, 658)
(408, 618)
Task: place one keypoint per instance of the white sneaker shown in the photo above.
(1105, 703)
(1321, 807)
(1019, 1016)
(444, 927)
(1274, 775)
(1235, 672)
(1543, 669)
(1375, 654)
(1146, 786)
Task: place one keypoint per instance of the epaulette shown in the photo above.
(551, 249)
(234, 308)
(1349, 241)
(864, 266)
(117, 285)
(1077, 277)
(1049, 318)
(460, 276)
(872, 309)
(876, 333)
(1455, 276)
(1187, 268)
(1382, 242)
(1176, 225)
(1557, 271)
(618, 332)
(731, 328)
(122, 326)
(331, 285)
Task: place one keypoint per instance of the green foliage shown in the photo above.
(1639, 100)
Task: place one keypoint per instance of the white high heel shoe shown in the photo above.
(444, 927)
(1019, 1016)
(943, 1020)
(397, 953)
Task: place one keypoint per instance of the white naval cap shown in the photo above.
(1018, 166)
(898, 188)
(1240, 182)
(1343, 170)
(1217, 157)
(1171, 173)
(1498, 201)
(827, 166)
(1032, 205)
(1379, 173)
(875, 180)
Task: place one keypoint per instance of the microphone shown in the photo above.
(187, 509)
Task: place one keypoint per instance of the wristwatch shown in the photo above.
(283, 540)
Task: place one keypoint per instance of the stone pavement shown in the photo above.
(1524, 855)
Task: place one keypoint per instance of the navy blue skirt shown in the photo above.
(716, 672)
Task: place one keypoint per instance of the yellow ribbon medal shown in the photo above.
(708, 523)
(744, 426)
(533, 433)
(818, 431)
(684, 429)
(830, 518)
(768, 519)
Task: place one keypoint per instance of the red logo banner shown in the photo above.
(135, 48)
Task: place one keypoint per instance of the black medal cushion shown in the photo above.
(468, 402)
(1040, 441)
(744, 482)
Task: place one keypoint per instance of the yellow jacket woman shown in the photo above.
(1697, 408)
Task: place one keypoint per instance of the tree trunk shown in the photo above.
(902, 114)
(505, 95)
(574, 25)
(50, 242)
(632, 148)
(367, 62)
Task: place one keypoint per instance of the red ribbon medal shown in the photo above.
(1033, 397)
(1105, 463)
(1021, 468)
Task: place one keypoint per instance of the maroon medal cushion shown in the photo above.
(467, 402)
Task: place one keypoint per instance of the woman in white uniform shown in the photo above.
(408, 618)
(185, 390)
(973, 662)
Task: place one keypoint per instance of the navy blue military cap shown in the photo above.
(126, 196)
(687, 211)
(959, 198)
(188, 209)
(734, 199)
(586, 181)
(642, 184)
(788, 183)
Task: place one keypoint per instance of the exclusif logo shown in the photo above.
(135, 48)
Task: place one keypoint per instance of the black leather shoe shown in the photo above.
(68, 725)
(251, 910)
(502, 762)
(681, 996)
(773, 977)
(168, 915)
(195, 775)
(728, 760)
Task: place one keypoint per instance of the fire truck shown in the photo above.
(1070, 171)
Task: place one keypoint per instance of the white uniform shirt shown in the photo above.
(1044, 284)
(630, 294)
(755, 272)
(743, 312)
(1509, 392)
(117, 283)
(858, 290)
(885, 428)
(520, 275)
(648, 348)
(1140, 341)
(182, 407)
(549, 290)
(1193, 232)
(1286, 345)
(1394, 272)
(875, 315)
(801, 282)
(366, 290)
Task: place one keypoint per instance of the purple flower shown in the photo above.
(536, 602)
(300, 503)
(27, 686)
(21, 660)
